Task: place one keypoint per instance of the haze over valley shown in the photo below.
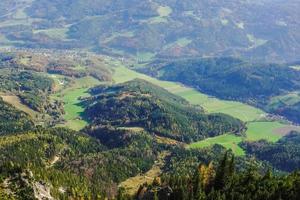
(149, 99)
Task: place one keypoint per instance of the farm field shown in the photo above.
(144, 56)
(270, 131)
(182, 42)
(239, 110)
(163, 12)
(57, 33)
(229, 141)
(70, 96)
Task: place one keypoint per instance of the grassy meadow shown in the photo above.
(229, 141)
(270, 131)
(70, 95)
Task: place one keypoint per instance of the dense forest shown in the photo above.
(70, 164)
(234, 79)
(277, 153)
(220, 182)
(13, 120)
(141, 104)
(33, 89)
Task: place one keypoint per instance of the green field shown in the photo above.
(144, 56)
(164, 11)
(239, 110)
(128, 34)
(70, 96)
(229, 141)
(256, 131)
(56, 33)
(264, 130)
(182, 42)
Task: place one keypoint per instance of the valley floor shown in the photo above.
(259, 126)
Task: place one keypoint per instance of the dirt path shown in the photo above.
(132, 184)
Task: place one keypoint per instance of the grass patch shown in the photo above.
(240, 25)
(70, 95)
(224, 22)
(239, 110)
(228, 141)
(256, 131)
(15, 22)
(264, 130)
(164, 11)
(128, 34)
(182, 42)
(144, 56)
(132, 184)
(256, 41)
(56, 33)
(157, 20)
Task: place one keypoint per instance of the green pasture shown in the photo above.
(264, 130)
(256, 131)
(229, 141)
(57, 33)
(70, 95)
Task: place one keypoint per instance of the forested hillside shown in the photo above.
(131, 126)
(149, 29)
(141, 104)
(13, 120)
(220, 182)
(32, 88)
(69, 164)
(277, 153)
(234, 79)
(149, 100)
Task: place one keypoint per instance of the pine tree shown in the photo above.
(221, 174)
